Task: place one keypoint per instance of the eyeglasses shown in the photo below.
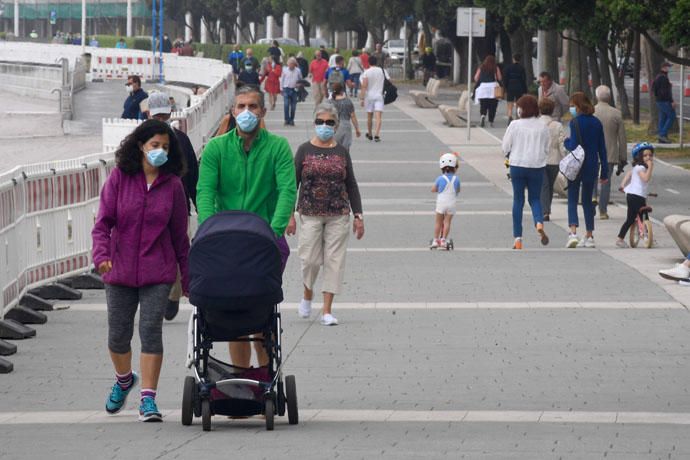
(319, 122)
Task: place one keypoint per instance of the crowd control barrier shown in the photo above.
(47, 212)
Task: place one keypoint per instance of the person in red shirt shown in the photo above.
(365, 58)
(317, 70)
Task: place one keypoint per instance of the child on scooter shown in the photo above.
(447, 188)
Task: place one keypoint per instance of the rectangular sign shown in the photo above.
(477, 21)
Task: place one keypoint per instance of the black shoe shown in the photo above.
(664, 140)
(482, 122)
(547, 218)
(171, 310)
(377, 139)
(368, 136)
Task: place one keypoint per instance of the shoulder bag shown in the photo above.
(390, 91)
(571, 164)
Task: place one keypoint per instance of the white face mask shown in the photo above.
(519, 112)
(129, 88)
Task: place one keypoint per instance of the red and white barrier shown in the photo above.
(46, 215)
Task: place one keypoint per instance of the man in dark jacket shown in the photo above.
(515, 83)
(664, 102)
(132, 107)
(160, 109)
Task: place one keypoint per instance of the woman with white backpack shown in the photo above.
(587, 132)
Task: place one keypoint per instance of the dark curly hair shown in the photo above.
(129, 156)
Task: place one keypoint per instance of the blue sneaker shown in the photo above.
(118, 397)
(148, 411)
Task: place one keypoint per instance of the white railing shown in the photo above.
(47, 210)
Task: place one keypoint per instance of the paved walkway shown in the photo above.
(482, 352)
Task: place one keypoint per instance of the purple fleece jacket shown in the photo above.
(143, 232)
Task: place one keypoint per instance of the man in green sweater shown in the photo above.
(249, 169)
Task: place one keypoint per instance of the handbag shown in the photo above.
(498, 92)
(390, 91)
(571, 164)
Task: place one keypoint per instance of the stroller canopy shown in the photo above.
(234, 263)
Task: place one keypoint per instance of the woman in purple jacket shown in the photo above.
(139, 241)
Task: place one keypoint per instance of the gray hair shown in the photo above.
(292, 60)
(603, 93)
(251, 89)
(328, 108)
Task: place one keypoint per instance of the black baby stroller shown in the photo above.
(235, 287)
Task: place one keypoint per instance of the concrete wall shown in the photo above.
(31, 80)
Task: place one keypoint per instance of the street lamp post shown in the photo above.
(83, 27)
(16, 18)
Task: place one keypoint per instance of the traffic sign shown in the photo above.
(53, 17)
(476, 26)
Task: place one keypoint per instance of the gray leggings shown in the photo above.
(122, 307)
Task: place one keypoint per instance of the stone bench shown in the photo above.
(679, 228)
(423, 98)
(456, 115)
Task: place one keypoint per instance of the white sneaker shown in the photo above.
(304, 308)
(677, 273)
(587, 242)
(621, 244)
(442, 244)
(573, 241)
(435, 243)
(329, 320)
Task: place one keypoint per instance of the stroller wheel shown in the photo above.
(188, 400)
(206, 415)
(269, 412)
(291, 395)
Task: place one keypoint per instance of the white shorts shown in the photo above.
(374, 105)
(441, 209)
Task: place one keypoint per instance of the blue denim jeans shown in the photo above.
(530, 179)
(289, 104)
(667, 115)
(587, 184)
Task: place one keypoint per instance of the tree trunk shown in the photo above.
(506, 47)
(306, 28)
(604, 71)
(576, 68)
(553, 40)
(411, 31)
(652, 63)
(593, 69)
(521, 42)
(619, 80)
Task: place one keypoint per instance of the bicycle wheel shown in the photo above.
(649, 242)
(635, 233)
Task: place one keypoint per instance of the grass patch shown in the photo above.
(638, 133)
(670, 154)
(685, 165)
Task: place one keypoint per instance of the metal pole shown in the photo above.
(404, 63)
(636, 80)
(16, 18)
(681, 120)
(153, 38)
(469, 75)
(83, 27)
(160, 42)
(129, 18)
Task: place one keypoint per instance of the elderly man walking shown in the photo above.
(555, 92)
(614, 137)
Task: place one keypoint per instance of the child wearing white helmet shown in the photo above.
(447, 187)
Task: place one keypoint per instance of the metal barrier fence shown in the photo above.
(47, 212)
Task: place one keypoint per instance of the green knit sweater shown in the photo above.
(261, 181)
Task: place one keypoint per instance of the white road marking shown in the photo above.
(675, 192)
(552, 305)
(421, 184)
(432, 213)
(370, 416)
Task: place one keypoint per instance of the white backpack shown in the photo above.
(571, 164)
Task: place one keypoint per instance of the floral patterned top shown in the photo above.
(326, 181)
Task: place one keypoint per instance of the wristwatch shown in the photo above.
(359, 216)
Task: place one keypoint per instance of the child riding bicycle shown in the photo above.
(636, 186)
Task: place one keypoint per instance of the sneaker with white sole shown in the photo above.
(677, 273)
(329, 320)
(621, 244)
(587, 242)
(573, 241)
(148, 411)
(304, 308)
(435, 243)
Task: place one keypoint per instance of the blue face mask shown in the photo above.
(247, 121)
(573, 111)
(157, 157)
(325, 132)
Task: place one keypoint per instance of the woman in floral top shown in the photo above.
(327, 192)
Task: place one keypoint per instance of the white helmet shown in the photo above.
(448, 160)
